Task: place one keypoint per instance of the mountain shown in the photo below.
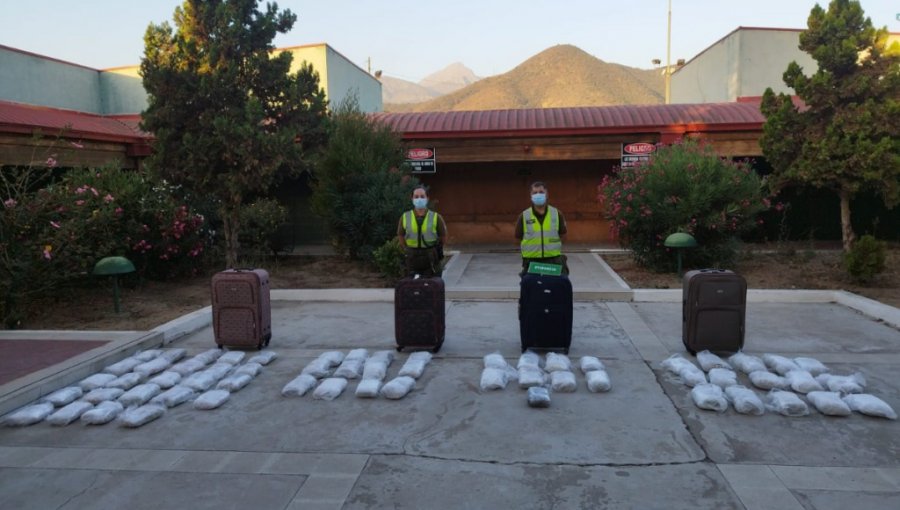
(560, 76)
(449, 79)
(397, 92)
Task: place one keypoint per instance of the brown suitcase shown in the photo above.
(419, 313)
(241, 308)
(713, 310)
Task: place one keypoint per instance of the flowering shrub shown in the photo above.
(684, 187)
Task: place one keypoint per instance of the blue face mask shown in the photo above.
(420, 203)
(539, 199)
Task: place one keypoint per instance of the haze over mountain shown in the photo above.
(447, 80)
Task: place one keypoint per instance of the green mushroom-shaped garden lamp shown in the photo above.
(113, 266)
(680, 241)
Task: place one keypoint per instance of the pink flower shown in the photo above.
(95, 192)
(54, 224)
(9, 203)
(108, 198)
(79, 202)
(76, 145)
(119, 211)
(79, 191)
(51, 162)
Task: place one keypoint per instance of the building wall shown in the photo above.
(711, 77)
(122, 91)
(341, 77)
(33, 79)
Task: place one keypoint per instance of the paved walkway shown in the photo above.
(448, 445)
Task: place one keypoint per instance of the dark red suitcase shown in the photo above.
(419, 313)
(713, 310)
(545, 312)
(241, 308)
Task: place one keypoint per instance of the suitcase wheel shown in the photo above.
(566, 351)
(436, 349)
(399, 348)
(220, 346)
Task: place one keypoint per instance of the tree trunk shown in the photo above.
(847, 234)
(231, 224)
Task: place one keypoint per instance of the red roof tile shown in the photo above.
(24, 118)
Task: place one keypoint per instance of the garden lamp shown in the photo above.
(680, 241)
(113, 266)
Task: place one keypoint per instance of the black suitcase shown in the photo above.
(713, 310)
(419, 313)
(545, 312)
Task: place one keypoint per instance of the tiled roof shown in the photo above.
(24, 118)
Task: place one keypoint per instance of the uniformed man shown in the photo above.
(540, 229)
(422, 233)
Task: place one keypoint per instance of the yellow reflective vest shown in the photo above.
(541, 240)
(427, 237)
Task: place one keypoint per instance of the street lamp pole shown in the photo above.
(669, 56)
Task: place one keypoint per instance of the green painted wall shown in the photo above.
(121, 91)
(32, 79)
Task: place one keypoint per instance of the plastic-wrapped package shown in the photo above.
(330, 388)
(252, 369)
(591, 363)
(828, 403)
(675, 363)
(368, 388)
(746, 363)
(317, 368)
(69, 413)
(386, 356)
(786, 403)
(398, 387)
(176, 395)
(173, 355)
(415, 364)
(153, 366)
(332, 358)
(802, 381)
(199, 381)
(102, 395)
(145, 356)
(96, 381)
(232, 358)
(375, 368)
(263, 358)
(362, 354)
(211, 399)
(493, 378)
(140, 416)
(529, 358)
(104, 412)
(29, 415)
(687, 371)
(744, 400)
(870, 405)
(765, 380)
(166, 379)
(187, 367)
(299, 386)
(350, 368)
(126, 381)
(597, 380)
(563, 381)
(538, 396)
(557, 362)
(208, 356)
(811, 365)
(122, 367)
(709, 361)
(531, 375)
(710, 397)
(64, 396)
(779, 364)
(234, 382)
(219, 370)
(139, 395)
(844, 384)
(722, 377)
(495, 360)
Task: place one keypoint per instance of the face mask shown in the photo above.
(420, 203)
(539, 199)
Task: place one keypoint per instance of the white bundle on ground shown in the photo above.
(166, 379)
(176, 395)
(153, 366)
(493, 378)
(746, 363)
(786, 403)
(332, 358)
(219, 370)
(398, 387)
(375, 368)
(765, 380)
(317, 368)
(105, 412)
(139, 395)
(102, 395)
(828, 403)
(779, 364)
(709, 361)
(531, 375)
(187, 367)
(538, 396)
(29, 415)
(845, 384)
(744, 400)
(330, 388)
(563, 381)
(368, 388)
(870, 405)
(263, 358)
(722, 377)
(687, 371)
(64, 396)
(69, 413)
(710, 397)
(802, 381)
(96, 381)
(208, 356)
(385, 355)
(139, 416)
(811, 365)
(591, 363)
(234, 382)
(495, 360)
(232, 358)
(123, 367)
(299, 386)
(529, 358)
(351, 368)
(199, 381)
(147, 355)
(597, 380)
(415, 364)
(250, 368)
(211, 399)
(557, 362)
(174, 355)
(126, 381)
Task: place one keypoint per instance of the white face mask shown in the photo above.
(420, 203)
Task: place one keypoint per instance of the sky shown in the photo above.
(412, 39)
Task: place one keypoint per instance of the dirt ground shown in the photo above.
(154, 303)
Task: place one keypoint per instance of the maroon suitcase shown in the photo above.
(419, 313)
(713, 310)
(241, 308)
